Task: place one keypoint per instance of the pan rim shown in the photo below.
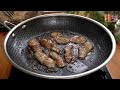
(69, 76)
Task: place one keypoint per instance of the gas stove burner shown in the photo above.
(98, 75)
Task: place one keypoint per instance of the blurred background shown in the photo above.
(107, 18)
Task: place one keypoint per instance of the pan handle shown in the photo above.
(6, 24)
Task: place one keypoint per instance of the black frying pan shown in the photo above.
(15, 44)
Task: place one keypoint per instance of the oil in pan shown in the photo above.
(76, 65)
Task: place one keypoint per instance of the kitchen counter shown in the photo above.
(114, 65)
(5, 67)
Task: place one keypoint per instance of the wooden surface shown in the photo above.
(5, 67)
(114, 65)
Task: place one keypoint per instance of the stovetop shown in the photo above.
(98, 75)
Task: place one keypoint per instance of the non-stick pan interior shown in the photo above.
(19, 53)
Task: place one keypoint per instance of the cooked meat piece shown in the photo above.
(49, 44)
(56, 34)
(88, 45)
(44, 59)
(34, 44)
(59, 38)
(78, 39)
(39, 55)
(85, 49)
(68, 53)
(35, 48)
(58, 59)
(82, 53)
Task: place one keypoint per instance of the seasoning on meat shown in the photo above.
(39, 55)
(82, 52)
(34, 45)
(56, 34)
(44, 59)
(59, 38)
(85, 49)
(49, 44)
(88, 45)
(68, 53)
(59, 61)
(78, 39)
(33, 42)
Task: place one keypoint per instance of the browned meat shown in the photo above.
(82, 52)
(34, 44)
(68, 53)
(50, 57)
(88, 45)
(35, 48)
(85, 49)
(58, 59)
(44, 59)
(56, 34)
(59, 38)
(78, 39)
(49, 44)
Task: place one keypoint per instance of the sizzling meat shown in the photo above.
(68, 53)
(39, 55)
(49, 44)
(50, 56)
(34, 44)
(88, 45)
(82, 52)
(85, 49)
(56, 34)
(59, 38)
(78, 39)
(58, 59)
(44, 59)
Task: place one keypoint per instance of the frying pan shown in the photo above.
(15, 43)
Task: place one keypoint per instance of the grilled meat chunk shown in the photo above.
(68, 53)
(82, 52)
(44, 59)
(33, 42)
(56, 34)
(78, 39)
(59, 38)
(34, 45)
(49, 44)
(59, 61)
(85, 49)
(39, 55)
(88, 45)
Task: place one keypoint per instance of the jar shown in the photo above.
(109, 17)
(105, 17)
